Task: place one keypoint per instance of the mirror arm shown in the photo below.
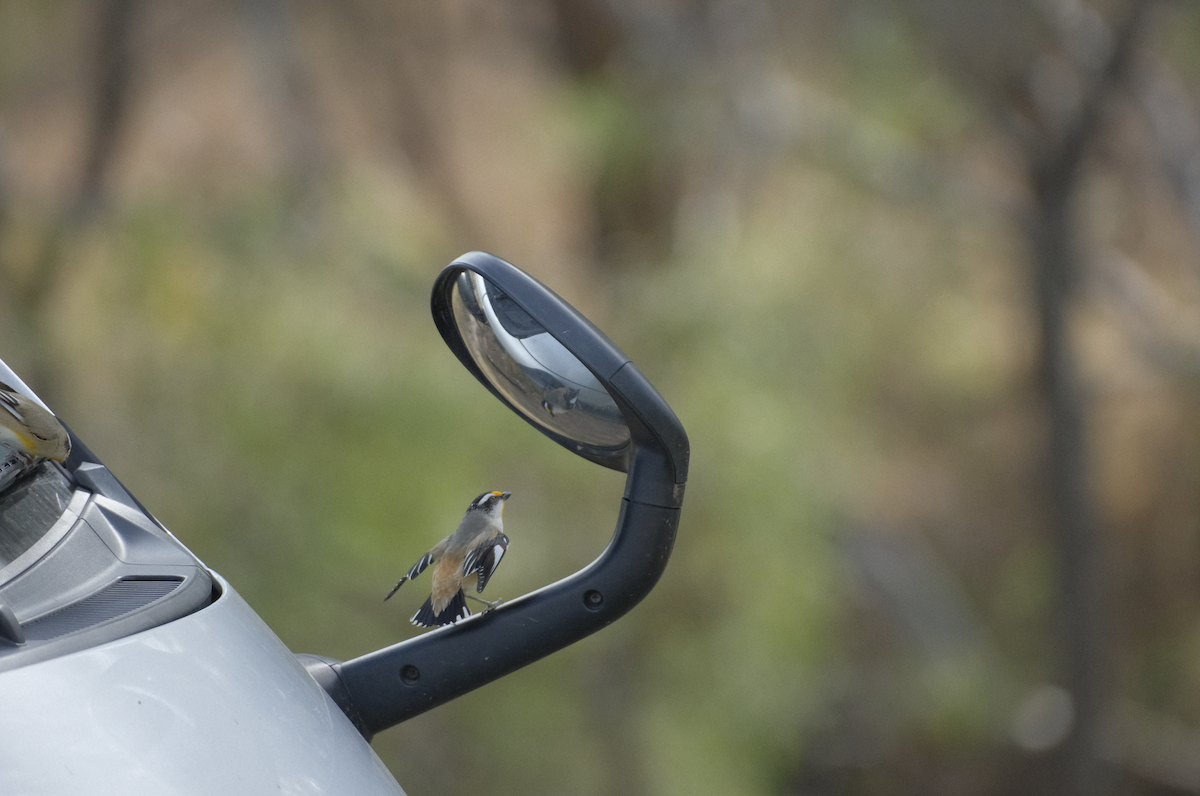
(386, 687)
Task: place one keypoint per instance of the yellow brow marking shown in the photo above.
(26, 441)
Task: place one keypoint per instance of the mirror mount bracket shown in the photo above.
(388, 686)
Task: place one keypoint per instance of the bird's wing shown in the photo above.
(420, 566)
(8, 400)
(485, 558)
(417, 569)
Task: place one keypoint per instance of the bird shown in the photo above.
(29, 430)
(468, 556)
(560, 400)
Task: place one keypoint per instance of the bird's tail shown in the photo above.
(454, 611)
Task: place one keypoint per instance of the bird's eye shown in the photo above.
(39, 436)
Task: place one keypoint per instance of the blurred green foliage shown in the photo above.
(820, 270)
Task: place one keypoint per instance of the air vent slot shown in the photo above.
(116, 600)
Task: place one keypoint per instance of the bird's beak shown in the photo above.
(505, 495)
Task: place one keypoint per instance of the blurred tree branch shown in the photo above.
(110, 68)
(1054, 169)
(413, 48)
(1046, 77)
(272, 43)
(1172, 114)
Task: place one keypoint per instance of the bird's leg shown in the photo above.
(490, 604)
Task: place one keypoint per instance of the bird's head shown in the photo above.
(52, 443)
(490, 503)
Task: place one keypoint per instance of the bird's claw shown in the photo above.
(488, 605)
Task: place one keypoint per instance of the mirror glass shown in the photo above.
(531, 369)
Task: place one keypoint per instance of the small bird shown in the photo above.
(469, 555)
(29, 430)
(560, 400)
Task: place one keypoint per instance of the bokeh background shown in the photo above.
(920, 277)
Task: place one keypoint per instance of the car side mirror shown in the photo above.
(551, 366)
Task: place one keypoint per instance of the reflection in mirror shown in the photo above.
(27, 510)
(532, 370)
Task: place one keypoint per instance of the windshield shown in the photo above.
(29, 507)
